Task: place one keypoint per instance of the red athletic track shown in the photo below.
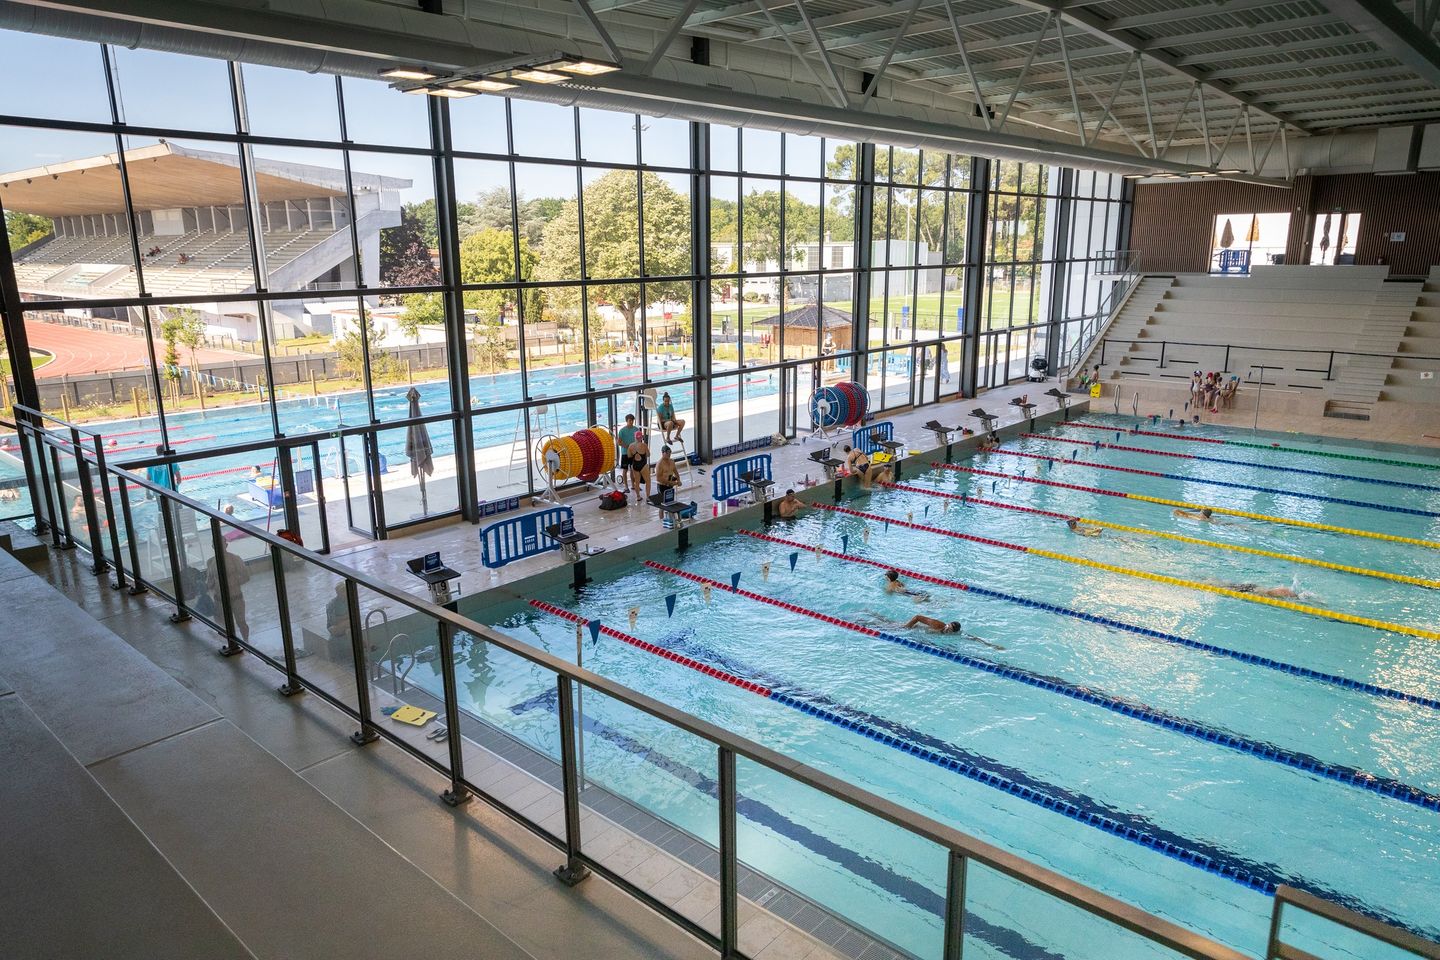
(78, 351)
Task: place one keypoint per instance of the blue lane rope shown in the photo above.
(1062, 807)
(1405, 484)
(1385, 786)
(1252, 659)
(1225, 483)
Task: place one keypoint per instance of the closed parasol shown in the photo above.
(418, 449)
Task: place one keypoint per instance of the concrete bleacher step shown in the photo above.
(210, 846)
(20, 543)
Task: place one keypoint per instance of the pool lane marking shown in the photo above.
(1291, 557)
(976, 772)
(1164, 637)
(658, 651)
(1213, 483)
(1264, 446)
(1349, 776)
(1182, 504)
(1145, 575)
(1054, 438)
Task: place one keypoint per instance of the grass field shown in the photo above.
(37, 360)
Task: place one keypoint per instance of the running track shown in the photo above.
(79, 351)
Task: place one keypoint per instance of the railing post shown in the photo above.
(1272, 943)
(1226, 368)
(1330, 367)
(222, 583)
(1102, 351)
(1163, 345)
(181, 613)
(110, 519)
(729, 858)
(87, 495)
(60, 516)
(292, 684)
(955, 907)
(367, 732)
(572, 871)
(457, 794)
(137, 586)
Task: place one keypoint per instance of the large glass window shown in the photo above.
(213, 281)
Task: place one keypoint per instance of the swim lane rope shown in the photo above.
(1145, 575)
(1180, 538)
(1350, 776)
(964, 768)
(1247, 658)
(1185, 505)
(1053, 438)
(1267, 446)
(1214, 483)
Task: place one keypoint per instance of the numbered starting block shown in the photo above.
(565, 534)
(759, 484)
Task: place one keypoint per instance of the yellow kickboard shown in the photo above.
(413, 716)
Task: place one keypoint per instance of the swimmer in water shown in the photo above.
(935, 625)
(893, 584)
(1085, 530)
(1204, 515)
(1283, 593)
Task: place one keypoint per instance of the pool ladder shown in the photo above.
(397, 679)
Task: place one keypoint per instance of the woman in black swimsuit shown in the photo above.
(639, 459)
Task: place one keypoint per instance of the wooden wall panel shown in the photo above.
(1172, 222)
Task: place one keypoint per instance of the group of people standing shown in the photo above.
(635, 454)
(1211, 391)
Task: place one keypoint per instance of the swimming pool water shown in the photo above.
(1247, 814)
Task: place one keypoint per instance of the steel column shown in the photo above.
(729, 857)
(458, 793)
(292, 684)
(572, 871)
(366, 733)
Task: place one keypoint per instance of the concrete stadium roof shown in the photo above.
(167, 176)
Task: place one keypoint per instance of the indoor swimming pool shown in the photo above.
(1182, 710)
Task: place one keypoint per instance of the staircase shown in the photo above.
(1127, 323)
(1361, 379)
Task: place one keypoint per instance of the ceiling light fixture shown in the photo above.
(407, 73)
(535, 75)
(583, 68)
(450, 92)
(486, 85)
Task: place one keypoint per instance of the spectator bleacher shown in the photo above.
(1334, 334)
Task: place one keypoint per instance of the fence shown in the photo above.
(199, 559)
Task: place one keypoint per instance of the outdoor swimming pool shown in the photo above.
(1157, 725)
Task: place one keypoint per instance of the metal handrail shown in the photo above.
(1117, 296)
(961, 847)
(1277, 949)
(1329, 370)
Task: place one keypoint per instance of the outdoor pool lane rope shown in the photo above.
(1053, 438)
(1349, 776)
(1160, 635)
(1145, 575)
(1264, 446)
(1161, 501)
(971, 771)
(1180, 538)
(1214, 483)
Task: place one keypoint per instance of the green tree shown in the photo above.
(405, 249)
(492, 352)
(351, 349)
(25, 228)
(489, 257)
(612, 247)
(186, 328)
(420, 310)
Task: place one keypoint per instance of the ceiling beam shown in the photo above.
(1392, 31)
(1100, 27)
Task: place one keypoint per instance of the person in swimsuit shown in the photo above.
(638, 454)
(669, 424)
(893, 584)
(790, 505)
(667, 475)
(623, 438)
(1085, 530)
(1281, 593)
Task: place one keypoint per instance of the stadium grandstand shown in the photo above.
(192, 231)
